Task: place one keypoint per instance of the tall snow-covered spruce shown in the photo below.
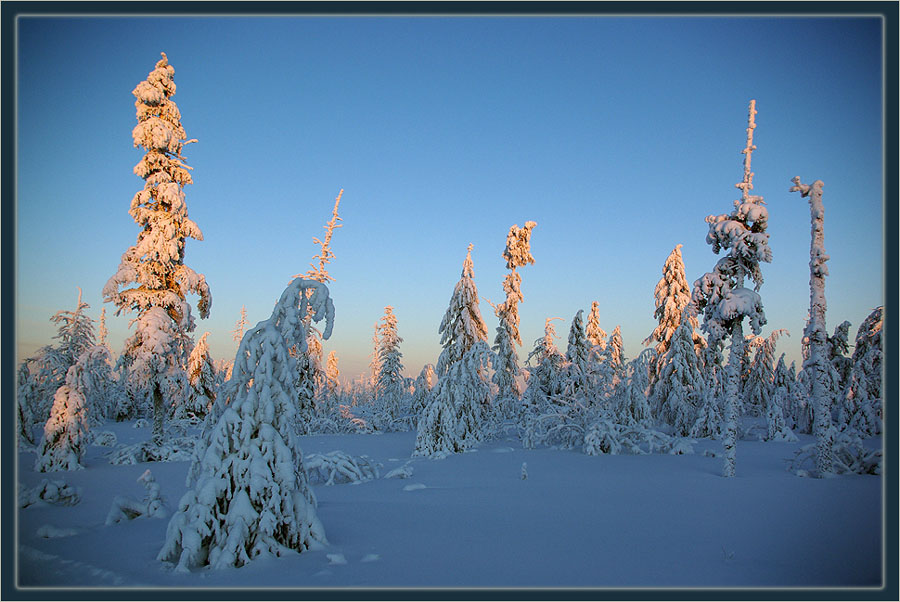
(248, 490)
(817, 363)
(155, 264)
(390, 376)
(517, 254)
(672, 295)
(721, 294)
(451, 422)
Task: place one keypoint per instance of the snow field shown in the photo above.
(576, 521)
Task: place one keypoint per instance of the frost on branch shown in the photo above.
(248, 489)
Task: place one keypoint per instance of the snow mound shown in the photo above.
(51, 532)
(850, 456)
(401, 472)
(606, 437)
(414, 487)
(176, 449)
(105, 439)
(338, 467)
(51, 492)
(336, 559)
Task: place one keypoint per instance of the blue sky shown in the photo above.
(618, 136)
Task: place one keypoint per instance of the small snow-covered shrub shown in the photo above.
(607, 437)
(141, 423)
(51, 492)
(850, 456)
(602, 438)
(172, 449)
(127, 508)
(337, 467)
(105, 439)
(401, 472)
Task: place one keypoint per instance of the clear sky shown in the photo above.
(618, 136)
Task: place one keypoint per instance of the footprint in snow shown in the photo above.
(414, 486)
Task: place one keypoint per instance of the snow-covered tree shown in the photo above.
(452, 421)
(201, 390)
(672, 295)
(778, 404)
(102, 331)
(759, 385)
(817, 365)
(25, 391)
(863, 406)
(679, 389)
(332, 375)
(632, 405)
(155, 264)
(595, 334)
(721, 294)
(545, 382)
(424, 384)
(390, 376)
(75, 332)
(248, 491)
(375, 364)
(517, 254)
(66, 431)
(578, 360)
(240, 326)
(615, 356)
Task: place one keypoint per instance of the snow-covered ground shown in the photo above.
(471, 520)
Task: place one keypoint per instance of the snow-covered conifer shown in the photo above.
(778, 404)
(201, 389)
(517, 254)
(375, 364)
(721, 294)
(452, 421)
(595, 334)
(632, 405)
(155, 264)
(102, 331)
(615, 354)
(332, 375)
(759, 385)
(545, 380)
(248, 491)
(424, 384)
(863, 406)
(240, 326)
(76, 331)
(390, 378)
(679, 389)
(25, 391)
(817, 365)
(65, 433)
(578, 355)
(672, 295)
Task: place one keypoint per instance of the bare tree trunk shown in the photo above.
(159, 413)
